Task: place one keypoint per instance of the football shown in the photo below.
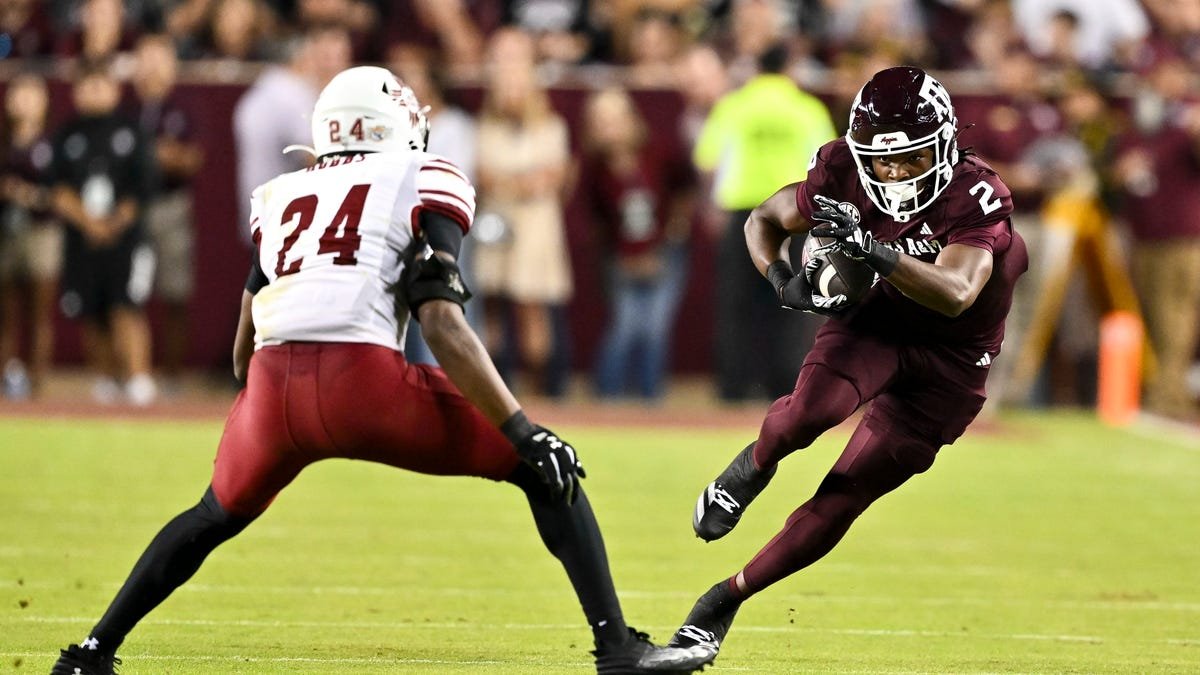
(838, 273)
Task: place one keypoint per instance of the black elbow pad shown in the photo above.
(432, 278)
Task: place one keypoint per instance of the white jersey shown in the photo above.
(331, 240)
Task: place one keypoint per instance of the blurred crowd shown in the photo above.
(1087, 109)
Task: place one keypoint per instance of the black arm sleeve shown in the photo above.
(257, 279)
(442, 232)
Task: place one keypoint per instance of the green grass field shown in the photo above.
(1047, 544)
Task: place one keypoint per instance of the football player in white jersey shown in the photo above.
(346, 249)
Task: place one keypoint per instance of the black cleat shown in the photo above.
(705, 627)
(725, 499)
(638, 654)
(79, 660)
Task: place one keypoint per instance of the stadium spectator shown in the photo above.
(1176, 25)
(915, 350)
(30, 239)
(753, 27)
(950, 22)
(453, 135)
(184, 21)
(655, 42)
(28, 28)
(443, 30)
(102, 170)
(524, 162)
(639, 195)
(895, 25)
(559, 28)
(359, 18)
(171, 129)
(756, 139)
(1062, 36)
(701, 81)
(1108, 31)
(1007, 124)
(338, 369)
(101, 30)
(273, 113)
(1158, 169)
(993, 33)
(239, 30)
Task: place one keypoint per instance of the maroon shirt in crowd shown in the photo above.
(1003, 132)
(631, 210)
(1165, 204)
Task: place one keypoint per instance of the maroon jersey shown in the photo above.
(973, 210)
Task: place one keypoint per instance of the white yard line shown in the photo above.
(1160, 428)
(458, 625)
(813, 599)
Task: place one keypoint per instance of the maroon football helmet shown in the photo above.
(898, 111)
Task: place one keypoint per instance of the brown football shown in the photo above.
(838, 273)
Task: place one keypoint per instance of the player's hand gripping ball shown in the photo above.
(838, 226)
(832, 273)
(836, 247)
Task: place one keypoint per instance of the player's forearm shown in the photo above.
(948, 289)
(765, 240)
(465, 361)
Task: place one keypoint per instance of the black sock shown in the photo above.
(573, 536)
(171, 559)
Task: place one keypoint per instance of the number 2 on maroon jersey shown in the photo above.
(985, 200)
(345, 245)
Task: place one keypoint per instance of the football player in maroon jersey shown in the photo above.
(933, 222)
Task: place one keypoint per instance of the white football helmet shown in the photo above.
(367, 109)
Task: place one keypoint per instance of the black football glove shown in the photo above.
(796, 291)
(553, 458)
(840, 221)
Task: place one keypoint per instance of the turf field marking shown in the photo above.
(883, 632)
(1157, 428)
(284, 659)
(1141, 605)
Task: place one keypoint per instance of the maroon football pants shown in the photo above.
(305, 402)
(919, 398)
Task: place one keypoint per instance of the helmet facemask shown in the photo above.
(900, 111)
(901, 199)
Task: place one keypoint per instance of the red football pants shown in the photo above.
(305, 402)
